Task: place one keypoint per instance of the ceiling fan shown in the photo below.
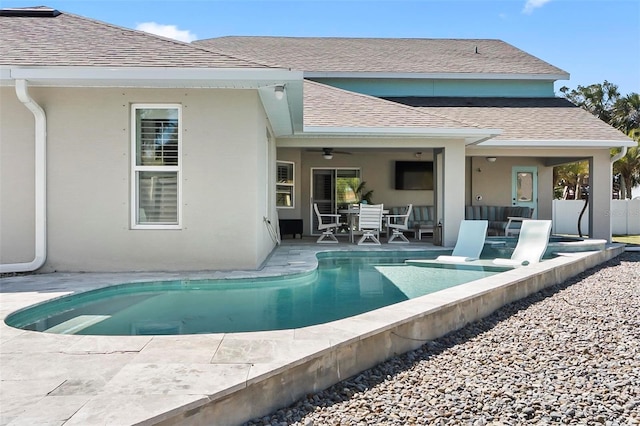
(327, 153)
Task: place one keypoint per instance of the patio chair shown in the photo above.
(370, 223)
(397, 223)
(471, 236)
(327, 224)
(532, 243)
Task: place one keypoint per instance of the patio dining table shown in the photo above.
(352, 213)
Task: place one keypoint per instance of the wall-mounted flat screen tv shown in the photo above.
(414, 175)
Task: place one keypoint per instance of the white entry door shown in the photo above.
(524, 188)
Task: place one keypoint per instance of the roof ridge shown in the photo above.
(396, 104)
(350, 38)
(412, 55)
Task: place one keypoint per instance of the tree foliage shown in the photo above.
(622, 112)
(626, 115)
(570, 180)
(598, 99)
(353, 190)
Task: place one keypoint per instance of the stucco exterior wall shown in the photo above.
(17, 171)
(224, 171)
(453, 192)
(545, 193)
(493, 181)
(600, 195)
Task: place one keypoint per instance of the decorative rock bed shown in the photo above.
(569, 354)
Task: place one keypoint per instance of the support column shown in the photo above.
(600, 196)
(453, 191)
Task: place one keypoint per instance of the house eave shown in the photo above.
(237, 78)
(547, 144)
(5, 77)
(435, 76)
(281, 113)
(470, 136)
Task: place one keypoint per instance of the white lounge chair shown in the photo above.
(327, 227)
(396, 223)
(370, 223)
(471, 236)
(532, 243)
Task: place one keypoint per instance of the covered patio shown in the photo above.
(485, 152)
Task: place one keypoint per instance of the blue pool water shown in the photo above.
(341, 287)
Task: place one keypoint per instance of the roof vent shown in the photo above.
(30, 12)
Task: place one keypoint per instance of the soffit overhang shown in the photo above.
(550, 144)
(307, 137)
(285, 115)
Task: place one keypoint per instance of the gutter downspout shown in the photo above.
(619, 155)
(622, 153)
(40, 183)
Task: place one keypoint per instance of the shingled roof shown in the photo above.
(41, 37)
(328, 106)
(549, 119)
(385, 55)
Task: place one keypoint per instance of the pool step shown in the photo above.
(77, 324)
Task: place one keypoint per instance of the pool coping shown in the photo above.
(228, 378)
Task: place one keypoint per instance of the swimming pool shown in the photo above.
(341, 287)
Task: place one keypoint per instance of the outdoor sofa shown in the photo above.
(503, 220)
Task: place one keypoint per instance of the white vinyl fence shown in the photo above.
(625, 217)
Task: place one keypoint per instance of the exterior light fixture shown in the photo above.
(491, 159)
(279, 92)
(418, 155)
(327, 156)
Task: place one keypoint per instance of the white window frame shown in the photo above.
(135, 168)
(292, 185)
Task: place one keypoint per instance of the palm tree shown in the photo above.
(569, 178)
(626, 117)
(628, 167)
(363, 193)
(353, 190)
(623, 113)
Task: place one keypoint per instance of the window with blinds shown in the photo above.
(156, 166)
(285, 184)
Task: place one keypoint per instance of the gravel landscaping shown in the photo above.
(567, 355)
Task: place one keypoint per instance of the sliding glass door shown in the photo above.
(332, 189)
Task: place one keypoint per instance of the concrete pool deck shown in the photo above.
(227, 378)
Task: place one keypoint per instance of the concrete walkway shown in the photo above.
(65, 379)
